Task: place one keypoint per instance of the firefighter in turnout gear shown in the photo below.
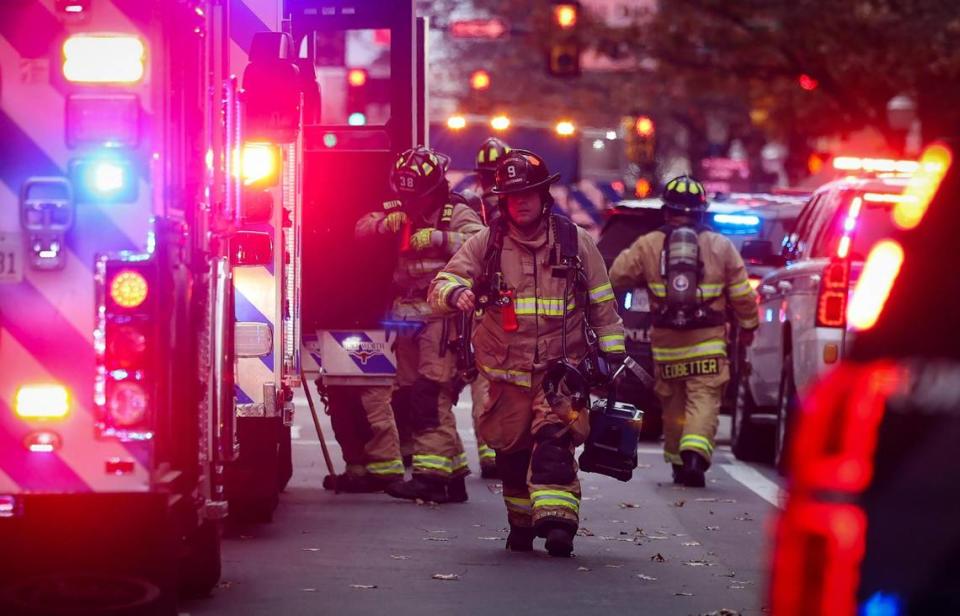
(431, 230)
(512, 275)
(365, 429)
(693, 275)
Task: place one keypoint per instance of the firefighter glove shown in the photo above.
(425, 238)
(393, 222)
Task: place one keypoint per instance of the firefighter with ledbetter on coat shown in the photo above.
(693, 275)
(431, 229)
(511, 273)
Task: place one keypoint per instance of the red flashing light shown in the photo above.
(873, 288)
(126, 347)
(808, 83)
(644, 126)
(357, 77)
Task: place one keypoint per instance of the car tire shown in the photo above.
(750, 441)
(200, 565)
(85, 594)
(786, 410)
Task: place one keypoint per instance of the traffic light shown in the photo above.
(357, 97)
(640, 134)
(563, 56)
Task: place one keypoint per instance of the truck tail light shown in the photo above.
(127, 344)
(832, 299)
(43, 441)
(103, 58)
(42, 401)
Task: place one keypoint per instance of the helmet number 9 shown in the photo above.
(511, 171)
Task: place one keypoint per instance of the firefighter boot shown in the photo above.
(421, 487)
(521, 539)
(488, 470)
(694, 466)
(560, 540)
(457, 490)
(677, 473)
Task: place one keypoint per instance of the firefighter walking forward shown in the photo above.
(510, 274)
(431, 229)
(693, 276)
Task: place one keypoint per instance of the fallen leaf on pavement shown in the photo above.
(309, 589)
(435, 532)
(656, 537)
(614, 566)
(446, 577)
(698, 563)
(646, 578)
(729, 500)
(399, 557)
(690, 544)
(363, 586)
(629, 506)
(436, 539)
(644, 466)
(679, 503)
(744, 518)
(713, 528)
(707, 500)
(583, 569)
(495, 488)
(584, 532)
(658, 558)
(683, 594)
(311, 549)
(490, 538)
(723, 612)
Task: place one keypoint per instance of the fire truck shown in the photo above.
(176, 227)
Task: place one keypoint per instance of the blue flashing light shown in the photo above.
(737, 220)
(104, 179)
(882, 604)
(357, 119)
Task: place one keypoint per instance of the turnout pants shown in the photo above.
(363, 425)
(534, 443)
(429, 375)
(691, 407)
(480, 393)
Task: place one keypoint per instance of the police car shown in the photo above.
(755, 223)
(870, 523)
(803, 326)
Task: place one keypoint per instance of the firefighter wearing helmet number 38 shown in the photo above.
(692, 274)
(529, 275)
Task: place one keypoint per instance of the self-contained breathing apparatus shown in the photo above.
(681, 269)
(614, 426)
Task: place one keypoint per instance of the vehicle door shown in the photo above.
(766, 354)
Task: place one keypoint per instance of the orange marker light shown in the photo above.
(500, 122)
(879, 273)
(46, 401)
(922, 187)
(456, 122)
(129, 289)
(565, 128)
(357, 77)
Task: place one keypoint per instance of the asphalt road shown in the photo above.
(646, 547)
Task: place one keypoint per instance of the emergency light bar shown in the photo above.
(874, 165)
(740, 220)
(46, 401)
(106, 179)
(103, 58)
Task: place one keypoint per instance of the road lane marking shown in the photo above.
(754, 481)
